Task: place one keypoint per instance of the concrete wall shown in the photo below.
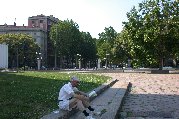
(3, 56)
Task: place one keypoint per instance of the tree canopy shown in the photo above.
(151, 33)
(106, 44)
(69, 42)
(22, 49)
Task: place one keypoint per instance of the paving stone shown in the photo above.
(146, 118)
(152, 93)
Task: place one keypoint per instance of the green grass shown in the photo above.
(31, 95)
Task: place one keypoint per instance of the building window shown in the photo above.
(41, 21)
(33, 22)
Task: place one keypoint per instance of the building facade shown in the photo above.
(39, 35)
(39, 28)
(45, 23)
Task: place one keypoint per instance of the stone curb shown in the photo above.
(109, 103)
(119, 116)
(61, 114)
(103, 87)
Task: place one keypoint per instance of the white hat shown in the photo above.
(74, 78)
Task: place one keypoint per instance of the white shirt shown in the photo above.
(65, 93)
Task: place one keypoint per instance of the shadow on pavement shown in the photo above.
(151, 105)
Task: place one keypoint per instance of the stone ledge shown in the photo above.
(108, 103)
(63, 114)
(151, 114)
(159, 71)
(129, 86)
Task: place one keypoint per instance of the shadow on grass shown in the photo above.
(31, 96)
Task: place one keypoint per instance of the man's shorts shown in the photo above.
(64, 105)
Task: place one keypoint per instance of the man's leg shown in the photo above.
(86, 103)
(76, 103)
(73, 103)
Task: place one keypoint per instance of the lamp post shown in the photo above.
(107, 60)
(105, 63)
(98, 63)
(129, 63)
(89, 64)
(24, 51)
(38, 60)
(55, 46)
(17, 58)
(79, 60)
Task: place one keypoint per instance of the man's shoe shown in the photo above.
(89, 117)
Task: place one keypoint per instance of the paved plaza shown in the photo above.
(153, 96)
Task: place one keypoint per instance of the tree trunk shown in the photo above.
(161, 63)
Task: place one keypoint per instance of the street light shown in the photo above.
(105, 63)
(107, 60)
(79, 60)
(89, 65)
(55, 46)
(24, 51)
(39, 58)
(17, 58)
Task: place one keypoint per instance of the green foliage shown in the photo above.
(20, 46)
(65, 36)
(31, 95)
(106, 43)
(152, 32)
(69, 41)
(88, 48)
(121, 49)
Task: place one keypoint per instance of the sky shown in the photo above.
(91, 15)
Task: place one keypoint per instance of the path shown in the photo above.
(152, 95)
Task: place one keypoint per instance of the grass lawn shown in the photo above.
(30, 95)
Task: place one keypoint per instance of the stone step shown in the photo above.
(146, 114)
(146, 118)
(61, 114)
(108, 103)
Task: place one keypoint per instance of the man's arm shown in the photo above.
(76, 91)
(83, 93)
(79, 96)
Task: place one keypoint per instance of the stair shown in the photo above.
(108, 103)
(61, 114)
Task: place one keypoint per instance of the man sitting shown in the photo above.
(70, 97)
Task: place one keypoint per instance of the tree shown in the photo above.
(106, 44)
(121, 49)
(22, 49)
(88, 48)
(153, 32)
(66, 39)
